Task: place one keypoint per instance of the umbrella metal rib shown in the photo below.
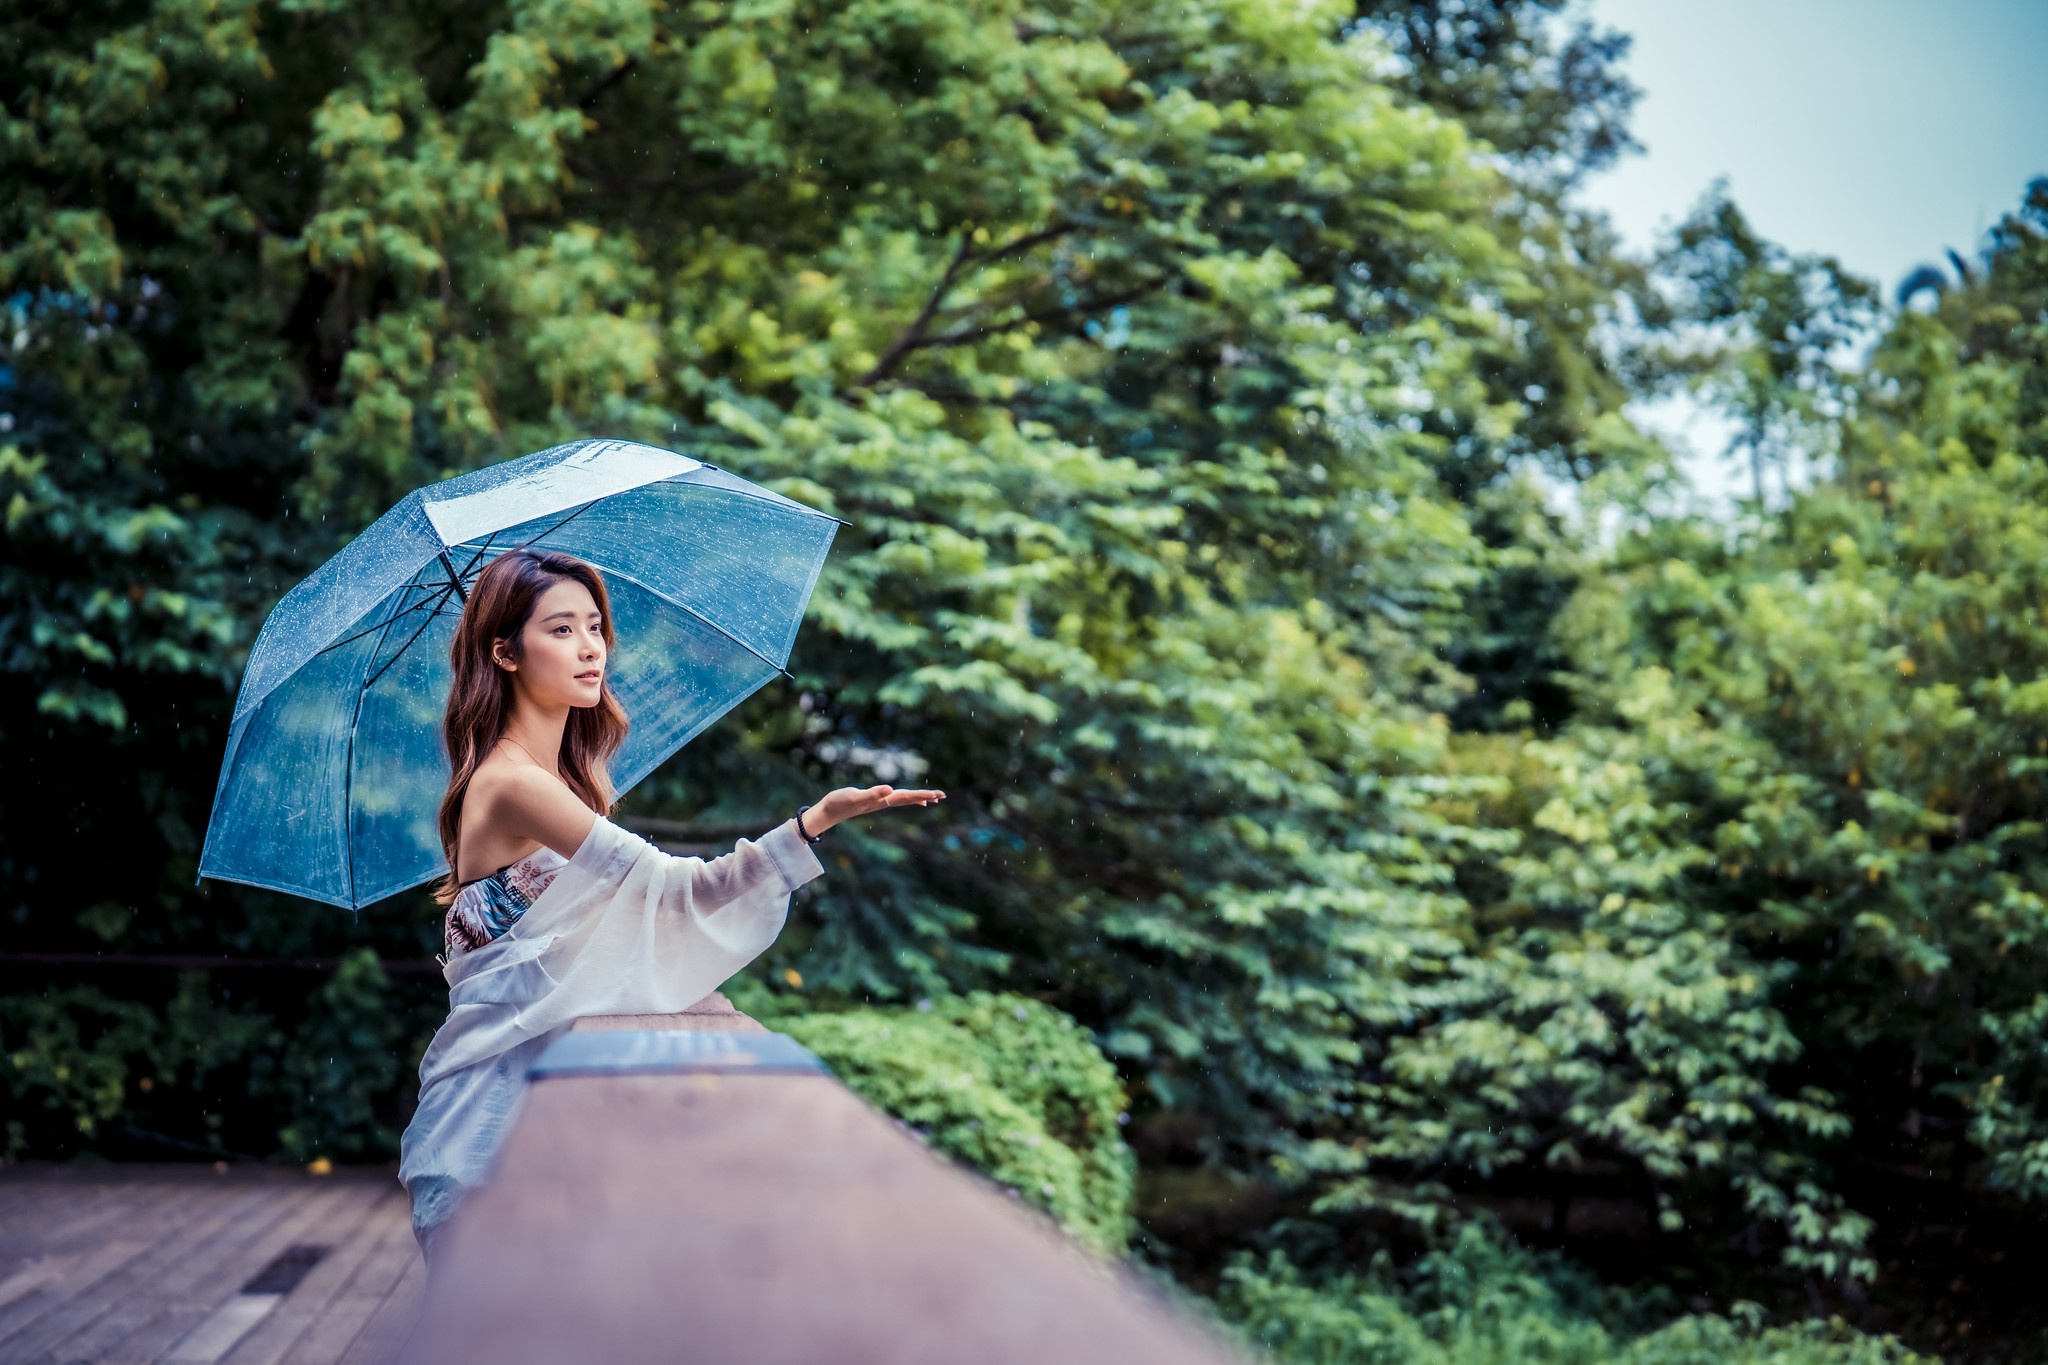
(421, 605)
(348, 772)
(556, 527)
(454, 578)
(399, 653)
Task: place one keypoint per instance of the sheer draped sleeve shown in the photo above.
(738, 901)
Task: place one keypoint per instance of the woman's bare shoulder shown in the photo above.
(504, 783)
(523, 802)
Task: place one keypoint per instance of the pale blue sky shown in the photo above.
(1877, 131)
(1880, 131)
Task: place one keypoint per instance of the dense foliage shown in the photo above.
(1000, 1083)
(1197, 378)
(1476, 1301)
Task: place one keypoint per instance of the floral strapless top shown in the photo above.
(487, 907)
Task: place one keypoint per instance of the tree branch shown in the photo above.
(611, 78)
(962, 335)
(592, 176)
(1020, 245)
(913, 337)
(906, 340)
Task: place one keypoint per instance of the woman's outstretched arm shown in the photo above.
(530, 804)
(845, 803)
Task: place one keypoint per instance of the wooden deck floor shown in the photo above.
(138, 1264)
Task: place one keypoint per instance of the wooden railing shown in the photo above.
(745, 1217)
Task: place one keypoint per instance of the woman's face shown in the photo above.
(561, 659)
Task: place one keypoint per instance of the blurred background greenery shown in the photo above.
(1407, 880)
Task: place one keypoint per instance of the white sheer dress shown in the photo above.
(621, 928)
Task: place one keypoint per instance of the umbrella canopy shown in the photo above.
(335, 765)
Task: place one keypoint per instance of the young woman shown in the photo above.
(554, 912)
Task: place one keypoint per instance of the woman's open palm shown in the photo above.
(847, 802)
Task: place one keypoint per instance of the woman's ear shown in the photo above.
(499, 656)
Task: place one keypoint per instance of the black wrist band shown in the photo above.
(809, 837)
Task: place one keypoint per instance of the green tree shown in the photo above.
(1827, 725)
(1765, 335)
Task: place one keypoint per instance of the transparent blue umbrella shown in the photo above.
(335, 765)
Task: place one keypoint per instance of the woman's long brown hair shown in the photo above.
(480, 700)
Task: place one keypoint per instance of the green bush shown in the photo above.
(1010, 1087)
(331, 1073)
(78, 1062)
(198, 1076)
(1481, 1302)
